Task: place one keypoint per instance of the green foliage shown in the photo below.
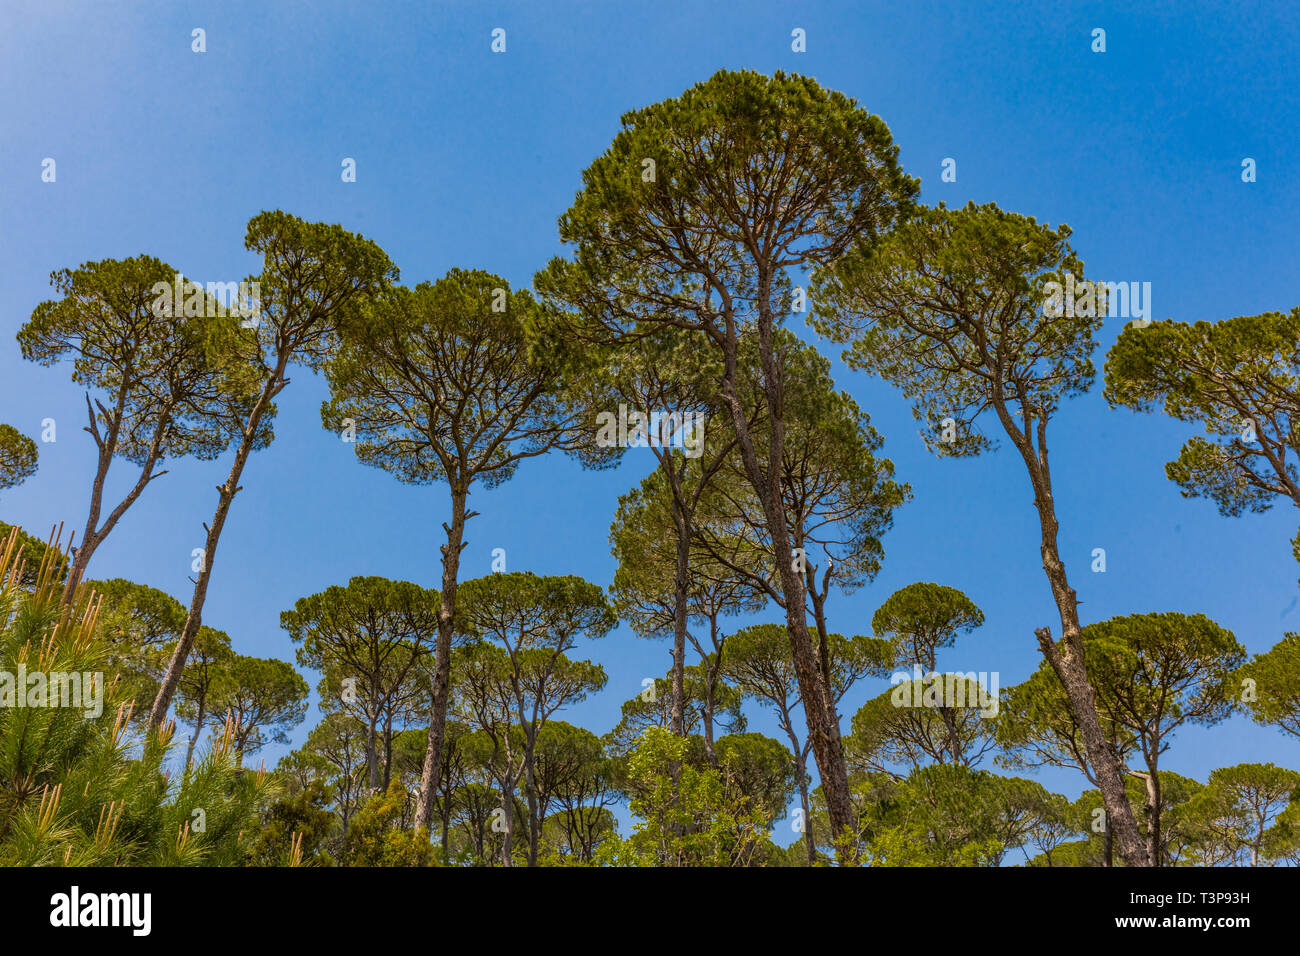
(316, 279)
(78, 786)
(438, 384)
(685, 816)
(937, 719)
(759, 661)
(1235, 821)
(1274, 695)
(207, 668)
(760, 771)
(265, 697)
(1154, 672)
(375, 633)
(377, 837)
(165, 379)
(33, 552)
(653, 708)
(139, 622)
(294, 829)
(1151, 673)
(921, 618)
(1239, 379)
(17, 457)
(740, 154)
(949, 307)
(1087, 816)
(950, 815)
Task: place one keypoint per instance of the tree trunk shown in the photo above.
(823, 635)
(507, 838)
(801, 765)
(534, 811)
(446, 826)
(1068, 660)
(709, 752)
(819, 709)
(93, 534)
(372, 756)
(225, 495)
(681, 586)
(429, 774)
(198, 729)
(388, 752)
(1152, 782)
(712, 675)
(950, 723)
(89, 534)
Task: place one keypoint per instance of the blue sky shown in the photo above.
(465, 158)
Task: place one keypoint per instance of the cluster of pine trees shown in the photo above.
(441, 739)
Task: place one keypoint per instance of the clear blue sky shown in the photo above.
(465, 158)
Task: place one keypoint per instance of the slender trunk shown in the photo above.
(1068, 659)
(681, 587)
(93, 534)
(89, 542)
(92, 539)
(823, 637)
(801, 766)
(388, 752)
(198, 729)
(1110, 841)
(226, 495)
(709, 752)
(820, 713)
(712, 674)
(446, 826)
(508, 811)
(107, 447)
(429, 774)
(372, 757)
(534, 811)
(1154, 812)
(949, 722)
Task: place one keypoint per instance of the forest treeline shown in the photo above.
(712, 221)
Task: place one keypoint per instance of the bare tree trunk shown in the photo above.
(93, 535)
(681, 586)
(372, 756)
(1151, 780)
(388, 752)
(446, 826)
(507, 838)
(950, 723)
(90, 537)
(710, 753)
(819, 709)
(429, 774)
(1068, 662)
(198, 729)
(534, 811)
(1068, 659)
(801, 766)
(226, 495)
(819, 615)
